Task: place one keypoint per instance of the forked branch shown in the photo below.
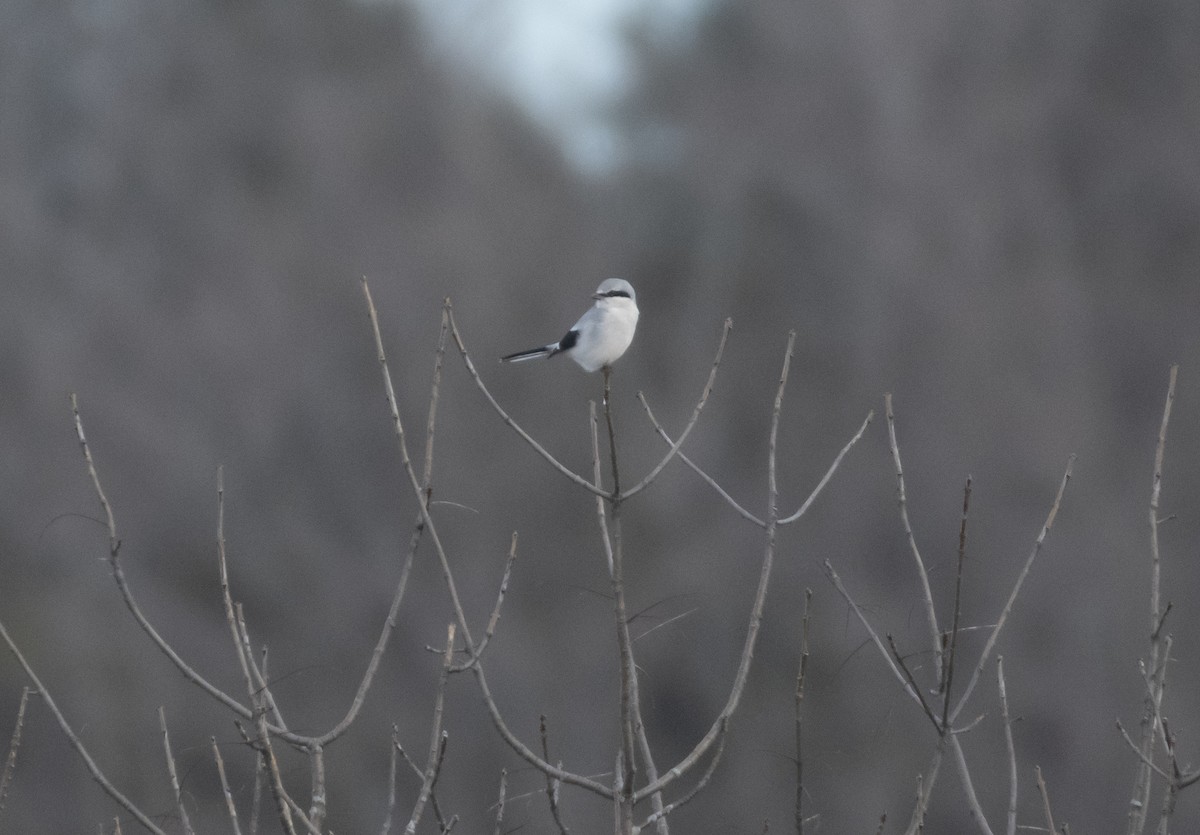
(719, 726)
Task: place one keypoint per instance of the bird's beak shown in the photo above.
(598, 296)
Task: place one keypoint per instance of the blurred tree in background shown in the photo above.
(991, 211)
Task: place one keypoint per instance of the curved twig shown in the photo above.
(829, 473)
(712, 482)
(708, 387)
(525, 436)
(741, 511)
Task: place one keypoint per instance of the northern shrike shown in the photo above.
(601, 335)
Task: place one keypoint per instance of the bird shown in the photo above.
(601, 335)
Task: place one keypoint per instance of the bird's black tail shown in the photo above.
(532, 353)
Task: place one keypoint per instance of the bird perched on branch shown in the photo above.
(601, 335)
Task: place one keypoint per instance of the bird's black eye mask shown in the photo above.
(622, 293)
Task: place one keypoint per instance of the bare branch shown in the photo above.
(862, 618)
(948, 667)
(525, 436)
(134, 609)
(1012, 597)
(97, 774)
(733, 502)
(552, 785)
(389, 624)
(925, 789)
(448, 575)
(739, 683)
(1011, 827)
(437, 736)
(812, 497)
(183, 815)
(495, 618)
(803, 669)
(1149, 763)
(695, 468)
(500, 802)
(275, 781)
(926, 591)
(1138, 806)
(10, 762)
(630, 707)
(391, 804)
(225, 790)
(317, 797)
(1041, 784)
(708, 387)
(968, 788)
(660, 814)
(912, 683)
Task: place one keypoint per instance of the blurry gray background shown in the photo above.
(990, 210)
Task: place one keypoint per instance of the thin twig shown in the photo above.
(500, 802)
(495, 618)
(948, 667)
(708, 387)
(525, 436)
(916, 688)
(902, 499)
(1146, 761)
(436, 737)
(800, 674)
(183, 815)
(1011, 826)
(662, 813)
(230, 806)
(10, 762)
(1138, 807)
(812, 497)
(260, 781)
(717, 731)
(1012, 597)
(131, 603)
(874, 636)
(263, 741)
(74, 740)
(1041, 784)
(816, 491)
(506, 733)
(925, 789)
(665, 623)
(389, 624)
(552, 785)
(420, 773)
(662, 433)
(240, 646)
